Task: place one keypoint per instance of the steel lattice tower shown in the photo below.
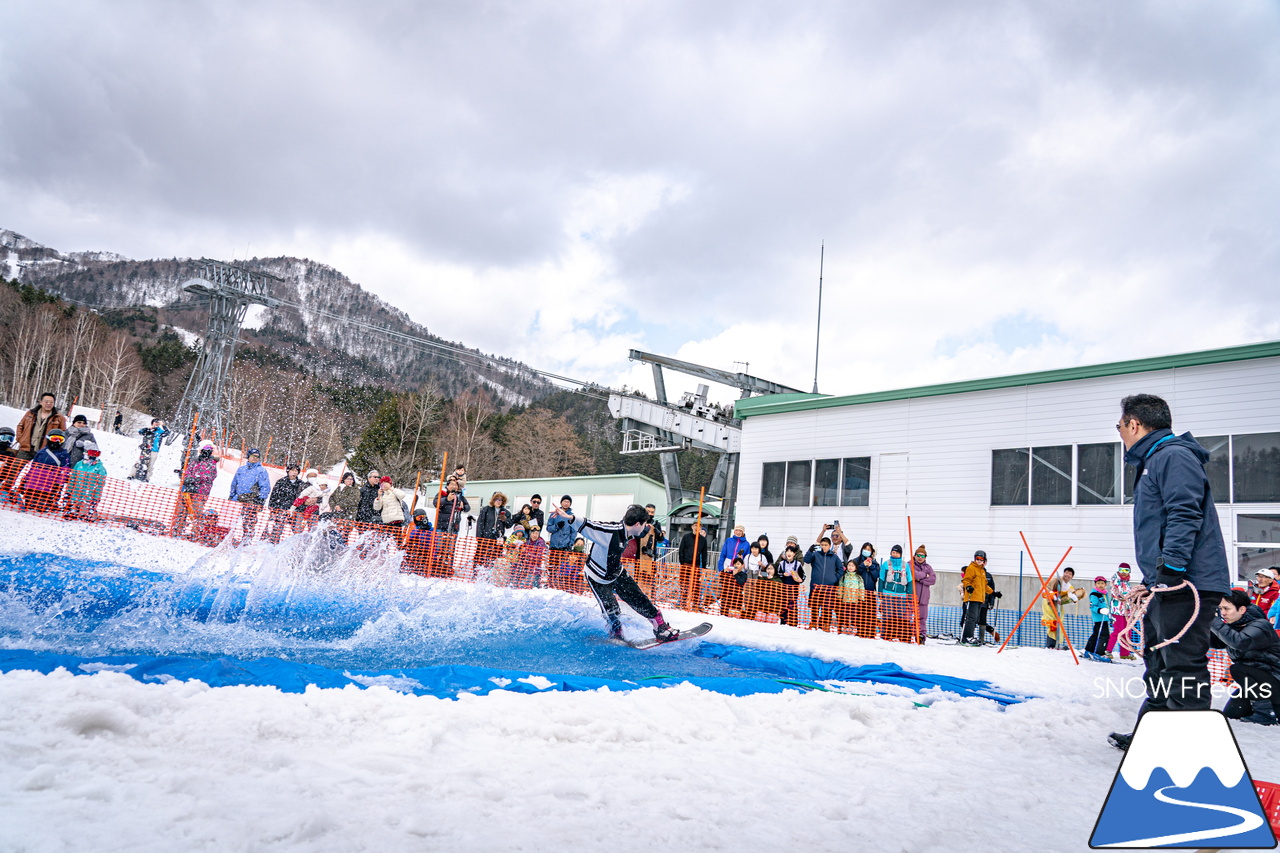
(231, 290)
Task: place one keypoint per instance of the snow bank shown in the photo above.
(105, 762)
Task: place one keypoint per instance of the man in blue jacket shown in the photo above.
(251, 487)
(824, 582)
(1179, 544)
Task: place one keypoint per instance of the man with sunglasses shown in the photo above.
(975, 589)
(532, 515)
(1179, 545)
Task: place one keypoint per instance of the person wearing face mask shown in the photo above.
(864, 611)
(607, 579)
(925, 578)
(897, 598)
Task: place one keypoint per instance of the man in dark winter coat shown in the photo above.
(693, 547)
(1177, 538)
(369, 489)
(1254, 649)
(452, 506)
(280, 504)
(77, 437)
(824, 581)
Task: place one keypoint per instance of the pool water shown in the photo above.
(304, 612)
(296, 603)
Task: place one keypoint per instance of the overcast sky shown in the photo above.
(1000, 186)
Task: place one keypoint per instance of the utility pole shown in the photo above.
(817, 338)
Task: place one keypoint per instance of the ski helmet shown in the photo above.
(6, 435)
(206, 448)
(91, 449)
(56, 435)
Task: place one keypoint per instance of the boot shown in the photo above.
(1120, 741)
(662, 631)
(1264, 713)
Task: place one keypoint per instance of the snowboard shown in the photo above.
(654, 642)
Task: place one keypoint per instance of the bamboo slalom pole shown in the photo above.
(435, 530)
(695, 594)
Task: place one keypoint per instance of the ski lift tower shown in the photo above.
(658, 426)
(230, 290)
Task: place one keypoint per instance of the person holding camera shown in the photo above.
(975, 589)
(824, 584)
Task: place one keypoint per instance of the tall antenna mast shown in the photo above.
(817, 338)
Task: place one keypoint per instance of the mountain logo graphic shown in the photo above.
(1182, 783)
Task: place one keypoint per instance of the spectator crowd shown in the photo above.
(48, 466)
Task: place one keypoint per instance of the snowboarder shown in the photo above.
(605, 575)
(152, 436)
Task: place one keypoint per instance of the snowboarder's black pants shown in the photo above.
(1097, 644)
(1177, 676)
(626, 588)
(1252, 684)
(971, 622)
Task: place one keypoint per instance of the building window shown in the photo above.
(1218, 468)
(1255, 471)
(1098, 481)
(1010, 476)
(826, 482)
(1051, 475)
(799, 478)
(772, 482)
(855, 486)
(1258, 543)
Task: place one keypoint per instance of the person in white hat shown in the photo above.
(1265, 589)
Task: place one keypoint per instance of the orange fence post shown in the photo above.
(267, 454)
(435, 531)
(915, 597)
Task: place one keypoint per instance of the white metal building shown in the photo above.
(974, 463)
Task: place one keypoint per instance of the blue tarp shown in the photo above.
(811, 669)
(452, 681)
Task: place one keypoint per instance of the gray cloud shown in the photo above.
(1051, 165)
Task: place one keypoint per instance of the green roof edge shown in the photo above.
(567, 477)
(769, 405)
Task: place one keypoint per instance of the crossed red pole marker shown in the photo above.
(1044, 587)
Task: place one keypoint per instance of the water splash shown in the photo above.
(313, 599)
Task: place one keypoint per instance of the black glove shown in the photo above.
(969, 590)
(1168, 576)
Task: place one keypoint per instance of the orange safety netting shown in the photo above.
(165, 511)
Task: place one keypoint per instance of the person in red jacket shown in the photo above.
(1265, 589)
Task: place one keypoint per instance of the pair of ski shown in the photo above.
(654, 642)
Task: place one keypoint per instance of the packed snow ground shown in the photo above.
(105, 762)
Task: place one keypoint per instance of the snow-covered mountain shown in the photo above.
(324, 326)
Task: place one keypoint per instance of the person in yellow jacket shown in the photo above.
(974, 587)
(1060, 594)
